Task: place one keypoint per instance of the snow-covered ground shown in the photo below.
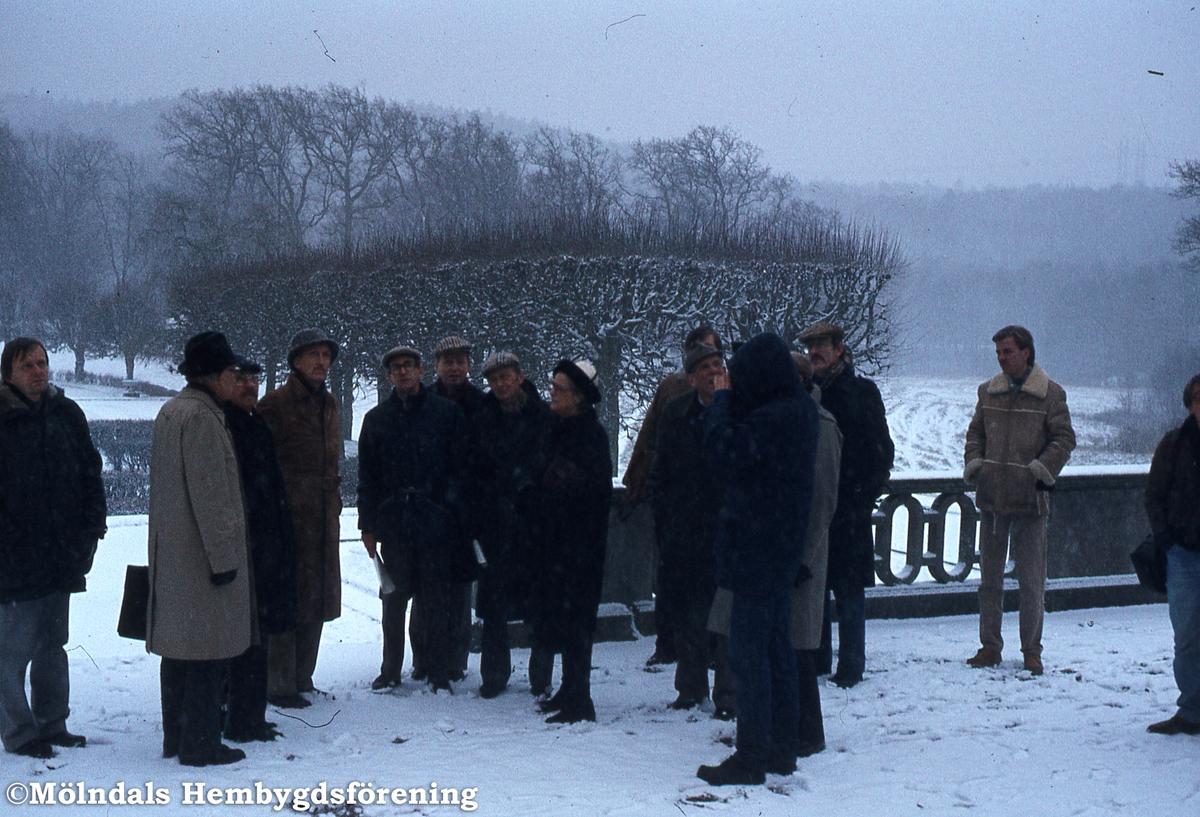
(923, 734)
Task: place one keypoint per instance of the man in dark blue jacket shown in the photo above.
(412, 472)
(52, 512)
(761, 432)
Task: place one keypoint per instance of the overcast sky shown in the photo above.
(1008, 93)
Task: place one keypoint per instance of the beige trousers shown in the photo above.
(1025, 538)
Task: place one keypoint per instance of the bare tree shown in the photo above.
(1187, 240)
(571, 176)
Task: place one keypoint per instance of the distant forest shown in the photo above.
(1091, 272)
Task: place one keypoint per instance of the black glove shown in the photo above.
(1164, 541)
(222, 579)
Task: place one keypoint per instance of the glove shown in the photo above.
(222, 579)
(971, 470)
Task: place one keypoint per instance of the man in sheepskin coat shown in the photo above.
(1017, 442)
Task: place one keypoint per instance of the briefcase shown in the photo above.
(132, 623)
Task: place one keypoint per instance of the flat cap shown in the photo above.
(498, 360)
(451, 343)
(821, 329)
(399, 351)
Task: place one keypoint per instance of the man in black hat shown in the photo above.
(199, 612)
(304, 418)
(867, 454)
(272, 553)
(53, 512)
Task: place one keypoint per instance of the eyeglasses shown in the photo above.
(247, 379)
(405, 366)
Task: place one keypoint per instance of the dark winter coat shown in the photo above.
(52, 507)
(1173, 489)
(687, 493)
(511, 452)
(867, 455)
(308, 443)
(569, 570)
(762, 435)
(268, 521)
(469, 398)
(413, 468)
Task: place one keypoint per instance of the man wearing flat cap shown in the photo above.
(687, 493)
(199, 613)
(412, 475)
(452, 364)
(511, 437)
(304, 419)
(867, 454)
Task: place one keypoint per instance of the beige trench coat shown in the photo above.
(307, 430)
(197, 528)
(808, 598)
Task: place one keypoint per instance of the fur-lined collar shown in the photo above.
(9, 401)
(1036, 383)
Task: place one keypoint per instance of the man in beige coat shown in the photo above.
(808, 597)
(1017, 442)
(304, 419)
(199, 612)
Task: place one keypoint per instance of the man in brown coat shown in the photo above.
(637, 481)
(304, 418)
(200, 585)
(1017, 442)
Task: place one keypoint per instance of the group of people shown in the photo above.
(762, 469)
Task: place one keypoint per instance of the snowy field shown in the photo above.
(922, 735)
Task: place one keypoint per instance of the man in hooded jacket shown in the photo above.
(761, 432)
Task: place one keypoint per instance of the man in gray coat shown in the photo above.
(1017, 442)
(200, 595)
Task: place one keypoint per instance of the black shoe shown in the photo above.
(383, 682)
(438, 684)
(810, 749)
(296, 701)
(489, 691)
(38, 747)
(660, 658)
(779, 764)
(724, 713)
(685, 702)
(418, 674)
(1174, 725)
(264, 733)
(730, 772)
(552, 704)
(65, 738)
(846, 681)
(574, 713)
(222, 756)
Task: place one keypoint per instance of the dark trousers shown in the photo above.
(191, 707)
(812, 724)
(422, 575)
(541, 668)
(495, 657)
(664, 623)
(576, 650)
(851, 600)
(767, 689)
(32, 637)
(460, 627)
(246, 701)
